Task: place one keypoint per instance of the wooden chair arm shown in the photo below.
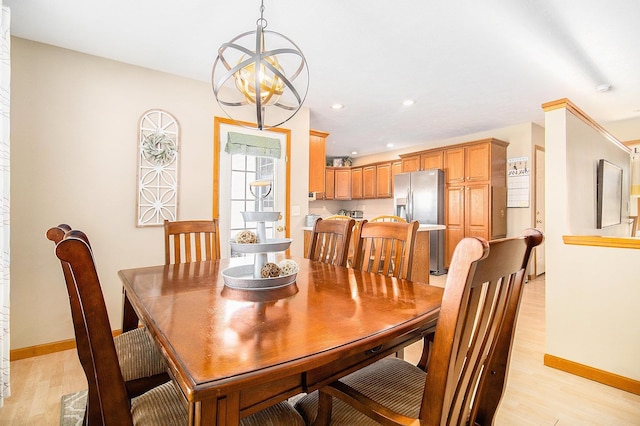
(361, 402)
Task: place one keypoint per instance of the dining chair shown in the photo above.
(338, 217)
(386, 248)
(388, 218)
(108, 402)
(191, 241)
(467, 371)
(354, 232)
(330, 241)
(141, 364)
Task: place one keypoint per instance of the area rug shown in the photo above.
(72, 408)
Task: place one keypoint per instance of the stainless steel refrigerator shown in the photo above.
(420, 196)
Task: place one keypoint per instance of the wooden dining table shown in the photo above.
(234, 352)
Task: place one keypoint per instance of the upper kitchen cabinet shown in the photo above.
(329, 183)
(384, 188)
(356, 183)
(411, 163)
(369, 181)
(317, 149)
(337, 183)
(431, 160)
(424, 160)
(464, 164)
(343, 183)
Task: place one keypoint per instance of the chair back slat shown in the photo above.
(330, 241)
(191, 241)
(474, 334)
(386, 248)
(108, 401)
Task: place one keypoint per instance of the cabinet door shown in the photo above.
(317, 145)
(454, 171)
(369, 182)
(343, 184)
(383, 180)
(477, 211)
(477, 162)
(411, 164)
(454, 219)
(356, 183)
(431, 160)
(396, 167)
(329, 183)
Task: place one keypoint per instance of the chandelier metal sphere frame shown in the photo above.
(261, 70)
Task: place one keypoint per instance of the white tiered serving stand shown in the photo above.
(248, 276)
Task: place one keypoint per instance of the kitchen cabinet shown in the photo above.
(369, 181)
(396, 167)
(432, 159)
(383, 181)
(337, 183)
(411, 163)
(317, 150)
(329, 183)
(342, 183)
(356, 183)
(475, 192)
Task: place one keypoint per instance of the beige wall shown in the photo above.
(592, 293)
(74, 121)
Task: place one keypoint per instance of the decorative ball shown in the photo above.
(288, 267)
(246, 237)
(270, 270)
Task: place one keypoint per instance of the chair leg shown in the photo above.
(427, 343)
(325, 406)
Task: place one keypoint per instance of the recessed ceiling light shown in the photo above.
(389, 145)
(603, 87)
(354, 152)
(337, 106)
(408, 102)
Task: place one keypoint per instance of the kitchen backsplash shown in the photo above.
(370, 208)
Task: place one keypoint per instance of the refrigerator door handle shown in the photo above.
(410, 205)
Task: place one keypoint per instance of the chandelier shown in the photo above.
(262, 71)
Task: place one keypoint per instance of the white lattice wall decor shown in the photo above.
(158, 161)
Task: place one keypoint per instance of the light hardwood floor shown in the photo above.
(535, 394)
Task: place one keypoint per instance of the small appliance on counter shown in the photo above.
(310, 220)
(357, 214)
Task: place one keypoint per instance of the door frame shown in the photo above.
(217, 121)
(538, 251)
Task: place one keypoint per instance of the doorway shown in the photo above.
(233, 174)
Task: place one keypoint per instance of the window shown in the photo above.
(244, 170)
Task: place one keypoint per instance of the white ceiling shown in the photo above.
(469, 65)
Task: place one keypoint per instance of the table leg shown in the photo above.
(129, 316)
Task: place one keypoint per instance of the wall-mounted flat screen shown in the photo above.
(609, 194)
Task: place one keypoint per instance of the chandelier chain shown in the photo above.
(261, 22)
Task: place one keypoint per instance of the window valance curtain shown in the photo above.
(259, 146)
